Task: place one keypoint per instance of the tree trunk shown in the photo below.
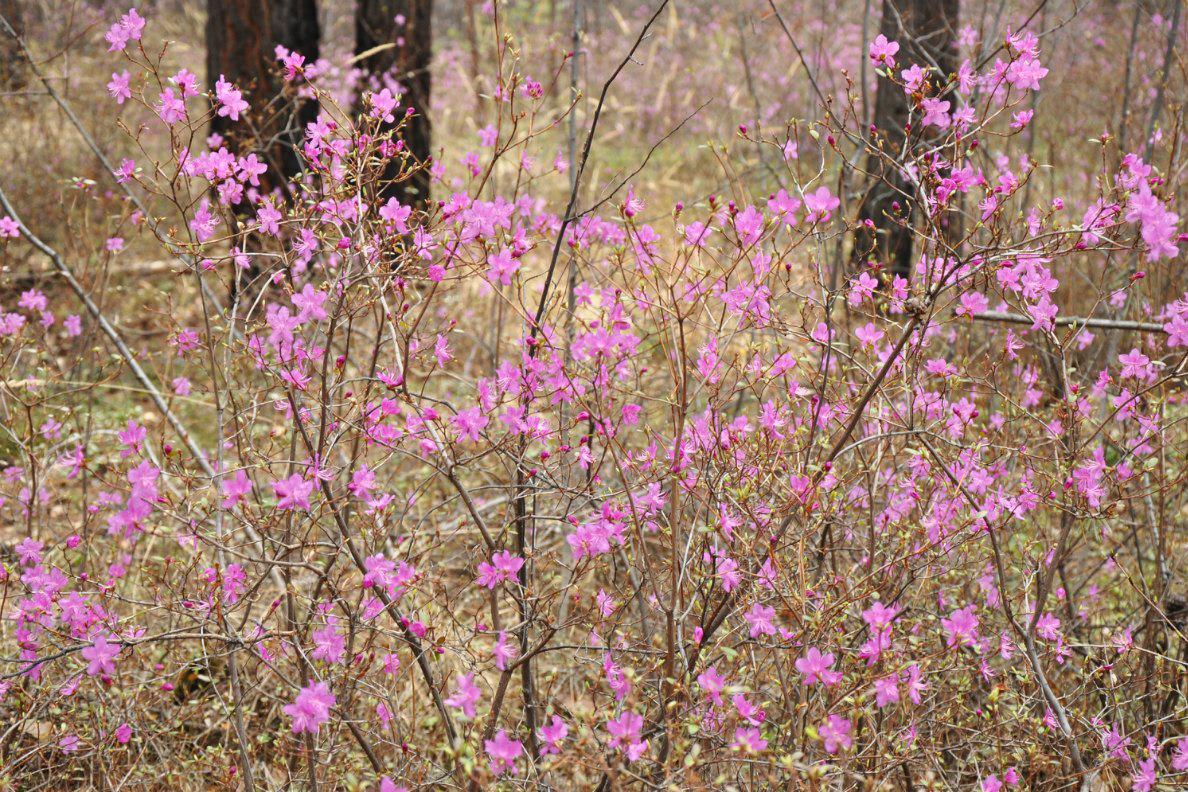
(927, 33)
(12, 72)
(241, 41)
(376, 23)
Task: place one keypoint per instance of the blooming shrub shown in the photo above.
(417, 509)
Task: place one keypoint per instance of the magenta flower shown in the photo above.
(820, 204)
(816, 667)
(129, 28)
(504, 652)
(882, 51)
(835, 731)
(329, 643)
(293, 492)
(712, 683)
(748, 739)
(119, 88)
(961, 627)
(886, 691)
(466, 695)
(100, 656)
(230, 99)
(625, 728)
(504, 566)
(468, 423)
(759, 617)
(503, 752)
(552, 735)
(235, 488)
(311, 708)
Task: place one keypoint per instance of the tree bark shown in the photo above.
(12, 72)
(408, 64)
(927, 33)
(241, 41)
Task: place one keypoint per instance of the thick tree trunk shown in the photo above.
(927, 33)
(241, 41)
(377, 22)
(12, 72)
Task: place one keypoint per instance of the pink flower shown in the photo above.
(816, 668)
(187, 83)
(552, 735)
(311, 708)
(882, 51)
(913, 78)
(886, 691)
(129, 28)
(625, 731)
(269, 218)
(329, 643)
(1134, 364)
(749, 225)
(119, 88)
(503, 566)
(230, 98)
(293, 492)
(936, 112)
(468, 423)
(466, 694)
(100, 656)
(382, 104)
(235, 488)
(712, 683)
(869, 334)
(1026, 74)
(972, 303)
(503, 266)
(835, 731)
(759, 617)
(123, 733)
(961, 627)
(503, 752)
(503, 652)
(1179, 761)
(310, 303)
(170, 107)
(1144, 777)
(748, 739)
(820, 205)
(695, 234)
(396, 214)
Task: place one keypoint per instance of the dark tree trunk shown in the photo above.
(408, 63)
(12, 72)
(927, 34)
(241, 41)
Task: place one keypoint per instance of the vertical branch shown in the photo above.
(1168, 53)
(574, 71)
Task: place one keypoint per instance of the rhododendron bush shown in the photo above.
(564, 480)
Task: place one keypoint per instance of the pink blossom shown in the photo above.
(816, 667)
(503, 752)
(311, 708)
(835, 731)
(466, 694)
(882, 52)
(100, 656)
